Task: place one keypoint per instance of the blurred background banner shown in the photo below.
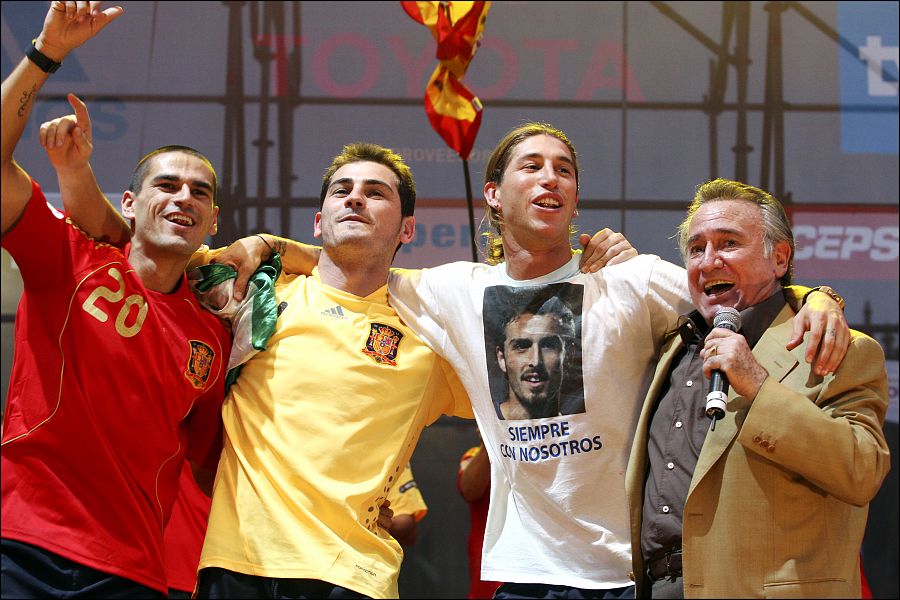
(800, 98)
(869, 121)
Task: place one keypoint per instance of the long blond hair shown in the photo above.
(497, 164)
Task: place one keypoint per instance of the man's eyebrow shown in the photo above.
(346, 180)
(532, 155)
(720, 230)
(200, 183)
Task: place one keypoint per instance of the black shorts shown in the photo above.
(213, 582)
(541, 590)
(32, 572)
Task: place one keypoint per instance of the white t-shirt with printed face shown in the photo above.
(558, 512)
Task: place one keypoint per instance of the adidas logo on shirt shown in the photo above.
(335, 312)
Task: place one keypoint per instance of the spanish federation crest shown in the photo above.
(383, 343)
(199, 364)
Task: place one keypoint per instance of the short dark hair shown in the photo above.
(143, 166)
(524, 301)
(366, 152)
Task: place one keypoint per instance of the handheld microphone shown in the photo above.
(730, 319)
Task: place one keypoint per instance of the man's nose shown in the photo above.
(355, 198)
(184, 193)
(549, 177)
(710, 258)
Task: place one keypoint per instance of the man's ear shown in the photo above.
(500, 360)
(317, 226)
(128, 205)
(492, 196)
(782, 258)
(407, 229)
(214, 228)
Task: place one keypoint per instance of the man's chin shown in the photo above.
(535, 401)
(708, 307)
(179, 246)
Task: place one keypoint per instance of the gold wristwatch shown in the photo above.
(828, 291)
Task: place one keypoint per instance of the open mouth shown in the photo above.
(534, 379)
(180, 219)
(548, 202)
(714, 288)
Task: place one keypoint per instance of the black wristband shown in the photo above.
(43, 62)
(271, 249)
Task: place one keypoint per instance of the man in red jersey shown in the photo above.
(118, 372)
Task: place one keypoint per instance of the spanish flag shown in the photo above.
(457, 27)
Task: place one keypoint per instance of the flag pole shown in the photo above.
(465, 164)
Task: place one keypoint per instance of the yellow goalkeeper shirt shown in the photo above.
(318, 428)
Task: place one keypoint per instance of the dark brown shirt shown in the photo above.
(678, 427)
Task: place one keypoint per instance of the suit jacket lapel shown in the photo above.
(771, 354)
(670, 349)
(770, 351)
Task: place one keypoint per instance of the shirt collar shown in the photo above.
(754, 321)
(563, 273)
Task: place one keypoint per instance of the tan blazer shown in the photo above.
(778, 503)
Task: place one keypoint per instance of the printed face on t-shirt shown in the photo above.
(533, 350)
(532, 356)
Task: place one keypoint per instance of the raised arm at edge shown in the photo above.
(17, 97)
(58, 37)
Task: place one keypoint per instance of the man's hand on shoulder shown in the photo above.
(829, 334)
(244, 256)
(606, 247)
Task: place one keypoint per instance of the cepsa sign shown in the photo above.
(846, 242)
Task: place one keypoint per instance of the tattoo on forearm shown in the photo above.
(27, 96)
(280, 246)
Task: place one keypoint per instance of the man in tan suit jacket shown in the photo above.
(772, 500)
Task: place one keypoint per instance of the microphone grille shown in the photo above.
(728, 317)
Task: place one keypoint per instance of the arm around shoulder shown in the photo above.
(297, 258)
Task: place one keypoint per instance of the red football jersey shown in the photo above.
(185, 533)
(111, 384)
